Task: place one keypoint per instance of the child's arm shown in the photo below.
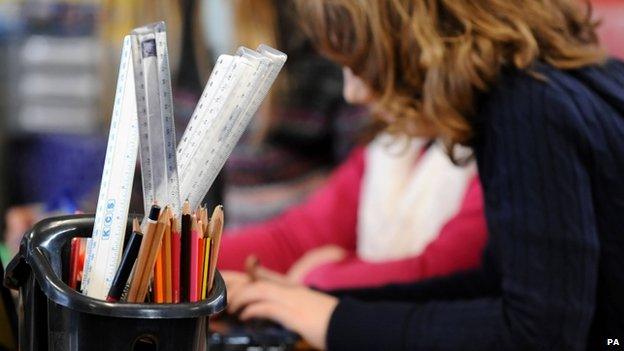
(328, 217)
(457, 247)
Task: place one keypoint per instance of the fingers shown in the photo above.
(234, 278)
(255, 292)
(263, 273)
(265, 310)
(234, 281)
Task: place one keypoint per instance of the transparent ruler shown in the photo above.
(235, 90)
(159, 169)
(104, 248)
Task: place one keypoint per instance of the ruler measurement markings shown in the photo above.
(211, 149)
(103, 251)
(221, 105)
(166, 105)
(218, 104)
(155, 112)
(200, 122)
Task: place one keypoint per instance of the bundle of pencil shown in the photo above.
(186, 260)
(202, 236)
(178, 258)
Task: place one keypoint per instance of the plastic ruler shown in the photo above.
(104, 248)
(236, 87)
(159, 169)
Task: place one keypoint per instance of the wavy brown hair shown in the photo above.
(427, 60)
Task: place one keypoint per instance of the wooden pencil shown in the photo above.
(216, 230)
(146, 244)
(251, 267)
(205, 220)
(151, 258)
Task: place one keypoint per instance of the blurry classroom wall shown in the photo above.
(58, 64)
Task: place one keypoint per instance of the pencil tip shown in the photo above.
(136, 227)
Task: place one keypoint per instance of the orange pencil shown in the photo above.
(159, 276)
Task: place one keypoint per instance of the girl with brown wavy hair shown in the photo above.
(526, 85)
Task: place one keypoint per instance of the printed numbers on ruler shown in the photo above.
(204, 119)
(104, 249)
(195, 185)
(232, 127)
(155, 113)
(266, 74)
(195, 151)
(166, 106)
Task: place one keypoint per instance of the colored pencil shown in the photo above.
(193, 262)
(159, 276)
(167, 259)
(175, 260)
(200, 257)
(208, 243)
(73, 262)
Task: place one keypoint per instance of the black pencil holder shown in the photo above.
(52, 316)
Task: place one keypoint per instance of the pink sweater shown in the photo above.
(329, 217)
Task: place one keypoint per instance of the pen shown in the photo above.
(127, 261)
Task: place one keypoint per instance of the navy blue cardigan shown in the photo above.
(550, 154)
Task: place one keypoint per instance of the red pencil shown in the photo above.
(176, 244)
(200, 258)
(73, 263)
(166, 247)
(194, 252)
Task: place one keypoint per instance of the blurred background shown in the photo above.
(58, 70)
(58, 66)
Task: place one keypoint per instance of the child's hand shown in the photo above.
(297, 308)
(313, 259)
(236, 281)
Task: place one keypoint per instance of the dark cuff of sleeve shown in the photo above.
(356, 325)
